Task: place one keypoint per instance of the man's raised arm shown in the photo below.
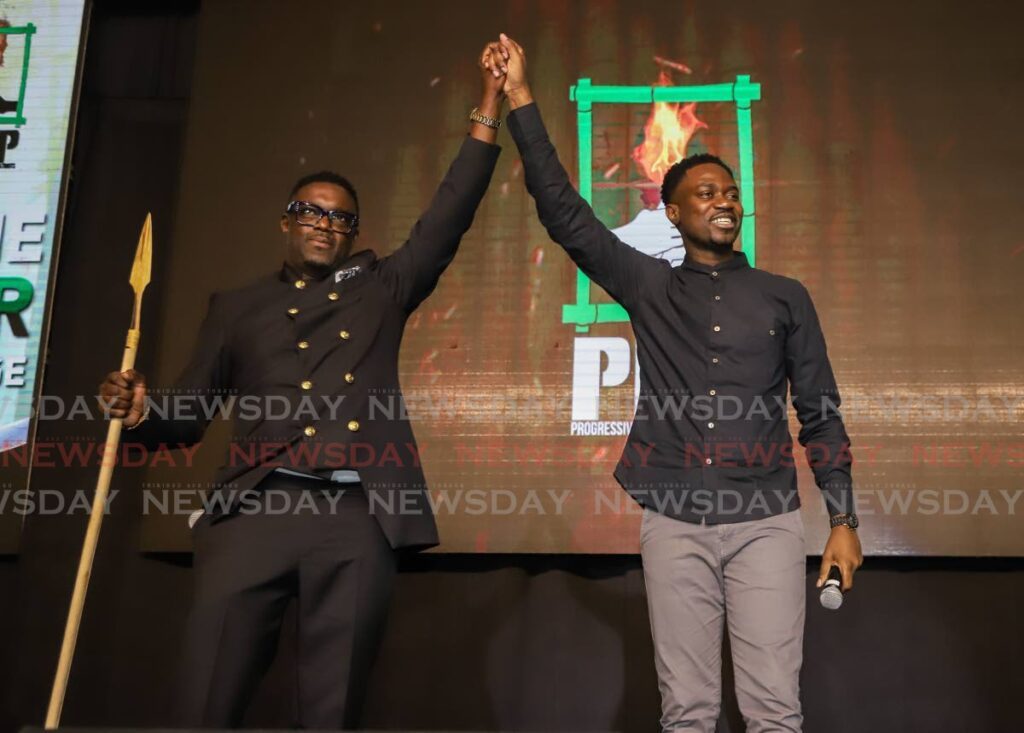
(607, 260)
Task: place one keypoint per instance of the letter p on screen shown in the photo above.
(588, 377)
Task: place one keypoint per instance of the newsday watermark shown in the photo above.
(469, 454)
(517, 405)
(183, 500)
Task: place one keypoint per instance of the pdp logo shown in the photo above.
(603, 403)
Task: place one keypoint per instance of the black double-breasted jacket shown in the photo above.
(309, 368)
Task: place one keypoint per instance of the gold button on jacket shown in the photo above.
(245, 347)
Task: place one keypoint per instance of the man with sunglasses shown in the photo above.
(324, 331)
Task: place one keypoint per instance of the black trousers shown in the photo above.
(301, 539)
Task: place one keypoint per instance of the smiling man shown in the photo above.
(325, 329)
(709, 455)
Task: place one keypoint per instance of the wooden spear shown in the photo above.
(139, 280)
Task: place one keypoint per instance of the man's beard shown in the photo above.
(318, 269)
(721, 247)
(709, 245)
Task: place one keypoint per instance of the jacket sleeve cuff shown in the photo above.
(479, 150)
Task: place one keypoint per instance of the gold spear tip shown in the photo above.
(143, 257)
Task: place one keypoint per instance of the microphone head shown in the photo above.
(831, 597)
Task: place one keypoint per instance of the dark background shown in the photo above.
(885, 146)
(538, 642)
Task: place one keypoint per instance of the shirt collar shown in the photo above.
(738, 261)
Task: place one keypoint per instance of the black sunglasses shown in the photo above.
(309, 215)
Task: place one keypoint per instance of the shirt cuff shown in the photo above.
(837, 490)
(525, 123)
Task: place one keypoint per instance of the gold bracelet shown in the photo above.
(490, 122)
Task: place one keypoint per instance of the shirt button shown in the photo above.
(714, 273)
(353, 425)
(310, 431)
(714, 359)
(333, 296)
(350, 378)
(712, 392)
(303, 344)
(718, 297)
(771, 332)
(307, 385)
(300, 284)
(717, 328)
(707, 461)
(345, 335)
(711, 425)
(293, 311)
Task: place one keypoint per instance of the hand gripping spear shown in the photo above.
(139, 280)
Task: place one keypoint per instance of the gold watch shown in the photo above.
(491, 122)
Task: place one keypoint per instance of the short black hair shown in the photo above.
(676, 172)
(326, 177)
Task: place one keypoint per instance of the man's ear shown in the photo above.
(672, 212)
(284, 223)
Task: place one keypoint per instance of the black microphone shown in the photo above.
(832, 592)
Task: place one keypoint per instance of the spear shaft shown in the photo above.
(139, 279)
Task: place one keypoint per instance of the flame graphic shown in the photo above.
(666, 135)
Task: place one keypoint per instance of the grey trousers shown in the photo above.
(751, 575)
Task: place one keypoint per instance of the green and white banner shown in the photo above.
(39, 45)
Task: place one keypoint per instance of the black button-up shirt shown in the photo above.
(717, 346)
